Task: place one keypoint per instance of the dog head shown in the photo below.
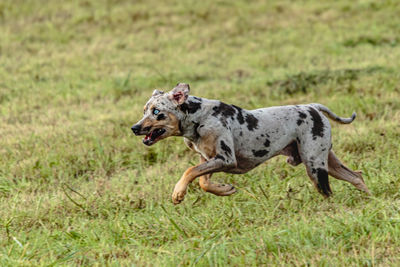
(162, 115)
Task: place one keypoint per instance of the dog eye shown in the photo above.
(156, 111)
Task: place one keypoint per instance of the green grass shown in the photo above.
(77, 188)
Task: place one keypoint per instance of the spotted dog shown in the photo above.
(235, 140)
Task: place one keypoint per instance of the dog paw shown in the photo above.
(228, 190)
(179, 194)
(221, 189)
(177, 197)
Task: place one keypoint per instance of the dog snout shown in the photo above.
(136, 129)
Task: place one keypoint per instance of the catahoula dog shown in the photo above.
(235, 140)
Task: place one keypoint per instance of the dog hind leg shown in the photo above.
(339, 171)
(314, 155)
(319, 176)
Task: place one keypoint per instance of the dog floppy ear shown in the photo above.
(157, 92)
(180, 93)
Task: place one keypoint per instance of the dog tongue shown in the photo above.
(148, 136)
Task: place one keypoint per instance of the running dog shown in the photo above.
(235, 140)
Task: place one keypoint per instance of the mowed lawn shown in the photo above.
(78, 189)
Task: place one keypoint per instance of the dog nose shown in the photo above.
(136, 129)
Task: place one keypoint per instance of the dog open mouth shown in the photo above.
(153, 136)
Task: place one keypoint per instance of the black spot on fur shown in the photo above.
(299, 122)
(224, 121)
(239, 116)
(302, 115)
(252, 122)
(196, 133)
(223, 109)
(313, 171)
(323, 182)
(180, 127)
(219, 157)
(260, 153)
(198, 99)
(161, 117)
(267, 143)
(190, 107)
(318, 126)
(241, 133)
(226, 148)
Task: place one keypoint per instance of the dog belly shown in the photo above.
(237, 171)
(250, 157)
(244, 164)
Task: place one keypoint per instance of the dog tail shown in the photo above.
(332, 115)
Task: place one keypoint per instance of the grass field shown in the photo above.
(77, 188)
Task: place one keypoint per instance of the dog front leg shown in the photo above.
(224, 159)
(214, 188)
(190, 174)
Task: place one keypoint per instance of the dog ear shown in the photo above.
(157, 92)
(180, 93)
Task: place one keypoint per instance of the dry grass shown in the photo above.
(76, 188)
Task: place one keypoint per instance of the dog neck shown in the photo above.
(191, 117)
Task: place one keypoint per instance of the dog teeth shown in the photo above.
(152, 136)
